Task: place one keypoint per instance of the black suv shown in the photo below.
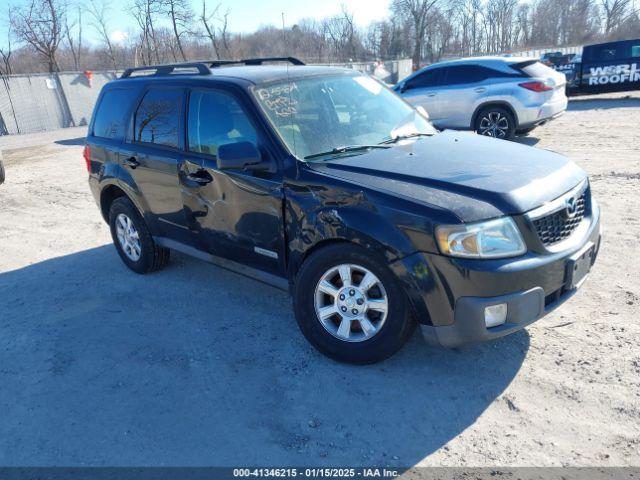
(324, 182)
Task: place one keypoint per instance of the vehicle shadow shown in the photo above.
(531, 141)
(595, 103)
(72, 141)
(197, 366)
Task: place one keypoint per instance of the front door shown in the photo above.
(236, 214)
(424, 90)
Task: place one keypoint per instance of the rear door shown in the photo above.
(108, 128)
(424, 90)
(463, 87)
(151, 158)
(235, 214)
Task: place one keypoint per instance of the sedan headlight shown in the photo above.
(492, 239)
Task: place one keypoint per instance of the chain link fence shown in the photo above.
(40, 102)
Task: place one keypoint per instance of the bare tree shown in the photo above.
(308, 40)
(6, 53)
(99, 11)
(615, 12)
(440, 33)
(180, 15)
(215, 27)
(421, 29)
(75, 47)
(418, 12)
(40, 24)
(341, 35)
(145, 13)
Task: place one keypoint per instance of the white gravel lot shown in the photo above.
(195, 365)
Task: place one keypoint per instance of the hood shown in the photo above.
(476, 177)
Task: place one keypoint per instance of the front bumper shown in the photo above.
(456, 291)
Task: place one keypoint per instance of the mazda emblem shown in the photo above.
(571, 208)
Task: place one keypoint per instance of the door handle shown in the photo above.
(132, 162)
(201, 177)
(480, 90)
(431, 94)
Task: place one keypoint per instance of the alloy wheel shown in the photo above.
(128, 237)
(494, 124)
(351, 303)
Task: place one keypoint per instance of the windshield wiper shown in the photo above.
(344, 149)
(404, 137)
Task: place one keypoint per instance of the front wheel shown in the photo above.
(496, 122)
(350, 306)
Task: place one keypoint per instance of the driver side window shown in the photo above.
(215, 119)
(428, 79)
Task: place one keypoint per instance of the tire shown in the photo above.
(364, 345)
(151, 257)
(498, 117)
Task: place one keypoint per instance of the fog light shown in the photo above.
(495, 315)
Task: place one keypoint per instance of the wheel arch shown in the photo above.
(112, 192)
(360, 227)
(493, 103)
(107, 196)
(296, 263)
(417, 307)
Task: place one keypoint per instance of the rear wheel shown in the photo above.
(133, 240)
(496, 122)
(350, 306)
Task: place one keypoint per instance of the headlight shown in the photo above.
(492, 239)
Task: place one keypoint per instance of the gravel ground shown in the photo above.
(195, 365)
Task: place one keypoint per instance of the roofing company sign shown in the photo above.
(612, 74)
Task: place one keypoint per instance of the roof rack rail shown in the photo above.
(254, 61)
(204, 66)
(168, 69)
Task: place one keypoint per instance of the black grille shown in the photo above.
(557, 226)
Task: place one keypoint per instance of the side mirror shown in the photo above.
(240, 156)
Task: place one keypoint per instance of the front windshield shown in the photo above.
(321, 114)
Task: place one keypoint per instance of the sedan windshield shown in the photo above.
(338, 115)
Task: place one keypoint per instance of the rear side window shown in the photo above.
(110, 121)
(534, 69)
(466, 74)
(430, 78)
(157, 119)
(215, 119)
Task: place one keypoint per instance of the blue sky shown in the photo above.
(248, 15)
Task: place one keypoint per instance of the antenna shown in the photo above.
(284, 46)
(284, 38)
